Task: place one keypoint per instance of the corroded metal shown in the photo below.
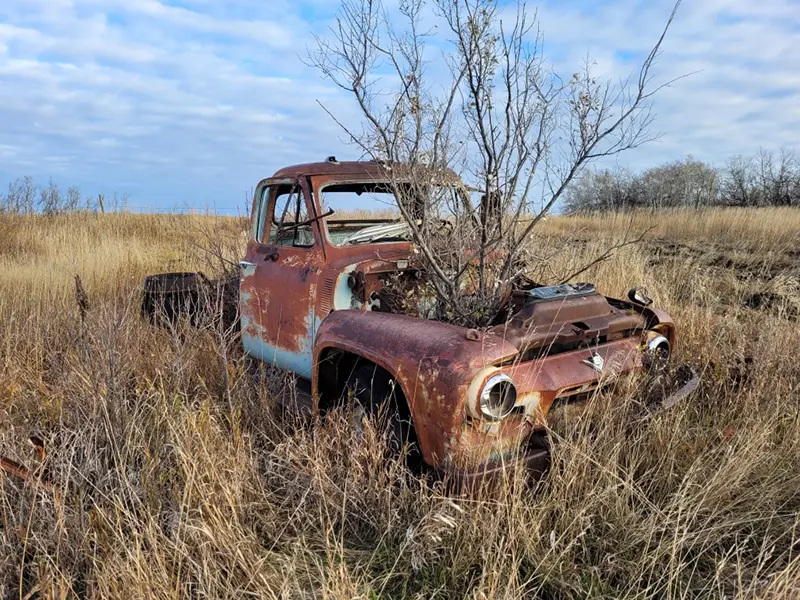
(170, 297)
(299, 304)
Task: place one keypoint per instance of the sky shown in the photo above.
(189, 103)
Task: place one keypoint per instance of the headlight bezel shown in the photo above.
(497, 398)
(659, 348)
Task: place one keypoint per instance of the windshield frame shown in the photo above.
(319, 185)
(327, 183)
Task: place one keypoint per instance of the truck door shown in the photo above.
(278, 277)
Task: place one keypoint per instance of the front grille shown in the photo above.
(584, 344)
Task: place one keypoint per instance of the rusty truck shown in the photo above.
(312, 299)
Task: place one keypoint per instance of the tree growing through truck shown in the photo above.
(463, 85)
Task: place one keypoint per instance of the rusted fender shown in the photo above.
(433, 363)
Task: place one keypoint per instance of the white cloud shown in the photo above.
(195, 103)
(744, 90)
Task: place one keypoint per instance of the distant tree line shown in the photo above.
(24, 196)
(765, 179)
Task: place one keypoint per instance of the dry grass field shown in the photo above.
(176, 476)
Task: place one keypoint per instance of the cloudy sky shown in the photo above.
(190, 102)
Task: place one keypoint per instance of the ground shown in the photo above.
(175, 475)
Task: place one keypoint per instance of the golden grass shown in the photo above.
(40, 256)
(176, 475)
(751, 228)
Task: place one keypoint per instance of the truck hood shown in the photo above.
(549, 320)
(539, 320)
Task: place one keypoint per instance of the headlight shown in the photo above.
(658, 347)
(498, 397)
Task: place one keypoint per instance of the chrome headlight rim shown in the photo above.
(488, 404)
(659, 347)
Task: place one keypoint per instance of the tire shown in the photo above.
(169, 297)
(371, 394)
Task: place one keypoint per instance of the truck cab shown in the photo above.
(300, 258)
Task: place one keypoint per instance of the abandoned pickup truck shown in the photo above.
(311, 301)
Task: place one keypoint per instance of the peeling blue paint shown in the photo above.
(257, 346)
(343, 298)
(255, 338)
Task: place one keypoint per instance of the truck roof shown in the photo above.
(366, 169)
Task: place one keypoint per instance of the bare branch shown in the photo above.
(506, 121)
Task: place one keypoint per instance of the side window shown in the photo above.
(261, 214)
(290, 225)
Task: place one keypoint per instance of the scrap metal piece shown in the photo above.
(683, 392)
(14, 468)
(38, 447)
(24, 474)
(169, 297)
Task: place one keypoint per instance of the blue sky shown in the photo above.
(190, 102)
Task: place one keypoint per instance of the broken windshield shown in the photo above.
(361, 210)
(367, 213)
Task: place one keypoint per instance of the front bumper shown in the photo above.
(534, 460)
(539, 382)
(481, 449)
(532, 464)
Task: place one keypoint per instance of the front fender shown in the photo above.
(662, 322)
(433, 363)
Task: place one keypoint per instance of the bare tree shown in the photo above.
(10, 202)
(72, 201)
(700, 183)
(688, 183)
(50, 200)
(21, 196)
(603, 190)
(739, 186)
(24, 196)
(28, 191)
(776, 177)
(117, 202)
(491, 109)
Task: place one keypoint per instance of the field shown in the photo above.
(176, 475)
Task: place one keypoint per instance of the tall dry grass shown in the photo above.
(752, 228)
(177, 476)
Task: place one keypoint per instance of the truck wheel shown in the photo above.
(371, 394)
